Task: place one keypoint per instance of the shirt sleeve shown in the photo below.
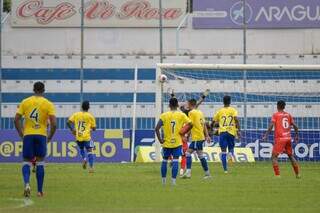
(191, 117)
(216, 116)
(51, 109)
(235, 113)
(186, 119)
(71, 118)
(291, 120)
(162, 118)
(20, 109)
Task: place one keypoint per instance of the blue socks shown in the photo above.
(40, 175)
(91, 159)
(164, 169)
(224, 160)
(204, 164)
(83, 154)
(189, 161)
(175, 168)
(26, 172)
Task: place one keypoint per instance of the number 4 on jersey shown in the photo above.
(34, 115)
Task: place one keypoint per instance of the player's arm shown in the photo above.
(52, 120)
(94, 125)
(215, 120)
(157, 129)
(237, 122)
(17, 124)
(70, 125)
(265, 136)
(186, 128)
(53, 126)
(202, 98)
(206, 133)
(18, 118)
(296, 132)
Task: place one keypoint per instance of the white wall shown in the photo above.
(63, 41)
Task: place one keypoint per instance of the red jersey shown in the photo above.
(282, 125)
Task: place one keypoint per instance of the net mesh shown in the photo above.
(254, 94)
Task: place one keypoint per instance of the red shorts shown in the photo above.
(282, 146)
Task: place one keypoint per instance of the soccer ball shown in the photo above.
(163, 78)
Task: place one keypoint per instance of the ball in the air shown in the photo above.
(163, 78)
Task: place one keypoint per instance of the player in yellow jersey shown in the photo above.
(229, 128)
(36, 112)
(199, 134)
(174, 125)
(81, 124)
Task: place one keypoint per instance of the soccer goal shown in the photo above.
(255, 90)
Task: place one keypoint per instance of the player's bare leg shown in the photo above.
(34, 164)
(183, 158)
(170, 161)
(295, 166)
(275, 164)
(84, 163)
(183, 164)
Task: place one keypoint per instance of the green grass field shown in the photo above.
(137, 188)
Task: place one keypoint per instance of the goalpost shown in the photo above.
(255, 89)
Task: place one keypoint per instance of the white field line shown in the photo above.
(23, 203)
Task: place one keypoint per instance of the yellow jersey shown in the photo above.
(36, 111)
(172, 123)
(83, 123)
(198, 121)
(226, 118)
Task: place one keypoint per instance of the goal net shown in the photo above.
(255, 90)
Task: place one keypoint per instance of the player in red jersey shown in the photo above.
(282, 123)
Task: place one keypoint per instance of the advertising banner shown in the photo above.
(212, 154)
(211, 14)
(110, 146)
(307, 149)
(97, 13)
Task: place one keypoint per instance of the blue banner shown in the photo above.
(110, 146)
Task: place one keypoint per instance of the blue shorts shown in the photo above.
(174, 152)
(226, 141)
(196, 145)
(34, 146)
(85, 144)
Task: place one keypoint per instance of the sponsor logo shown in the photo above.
(296, 13)
(212, 154)
(55, 149)
(237, 13)
(301, 150)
